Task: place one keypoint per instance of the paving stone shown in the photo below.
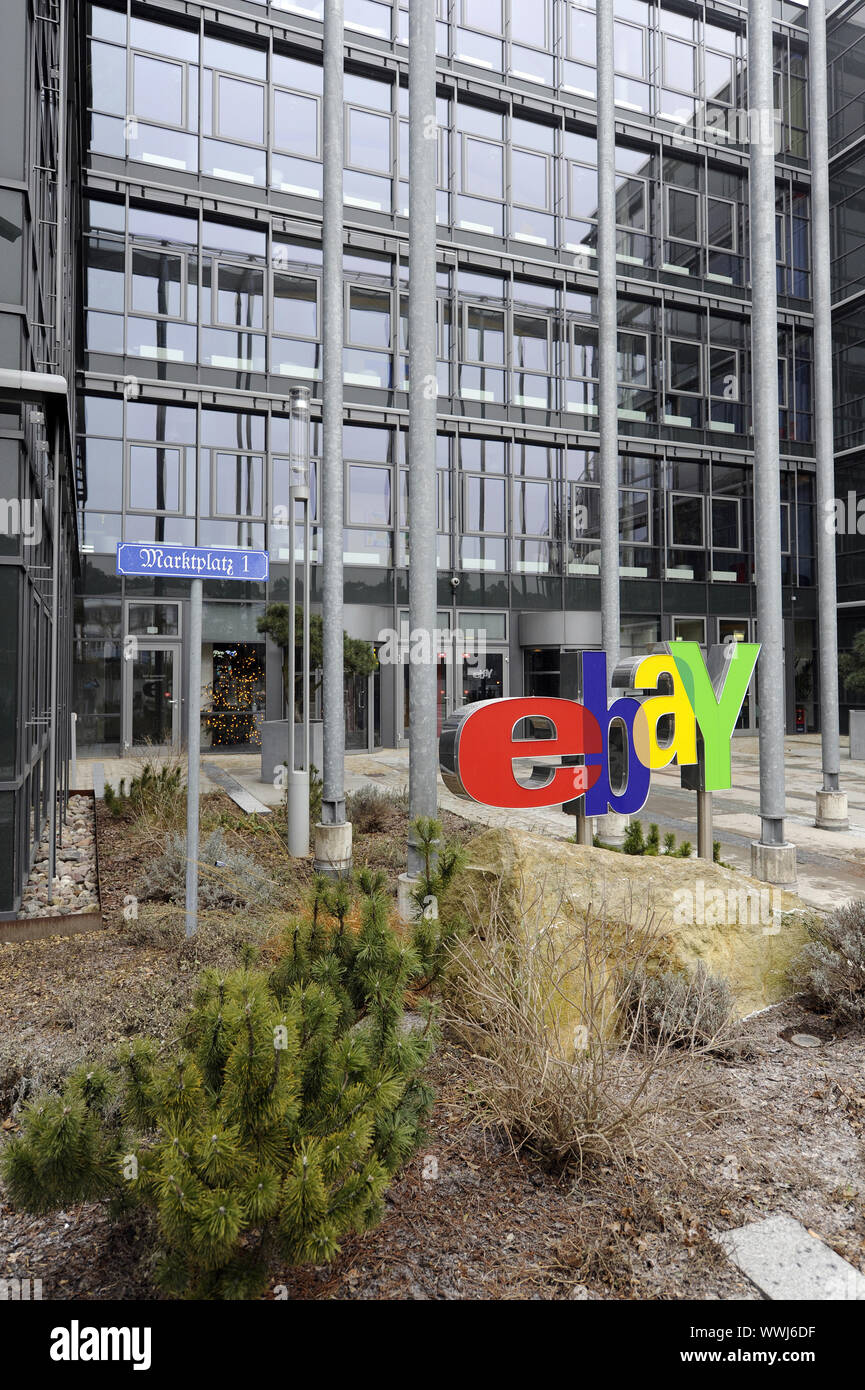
(238, 793)
(786, 1261)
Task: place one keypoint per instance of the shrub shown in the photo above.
(440, 922)
(681, 1010)
(683, 851)
(653, 840)
(634, 842)
(830, 969)
(543, 1005)
(371, 810)
(155, 793)
(274, 1127)
(669, 842)
(227, 877)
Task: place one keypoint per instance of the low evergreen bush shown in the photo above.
(273, 1127)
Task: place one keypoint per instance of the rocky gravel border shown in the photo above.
(76, 887)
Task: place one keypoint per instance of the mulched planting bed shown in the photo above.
(468, 1218)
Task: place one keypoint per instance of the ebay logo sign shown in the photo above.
(686, 713)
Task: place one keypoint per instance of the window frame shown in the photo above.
(183, 64)
(133, 247)
(217, 452)
(672, 543)
(216, 103)
(284, 149)
(217, 261)
(180, 450)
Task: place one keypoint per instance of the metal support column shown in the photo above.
(610, 827)
(56, 537)
(297, 779)
(772, 860)
(423, 746)
(831, 801)
(193, 755)
(330, 490)
(607, 339)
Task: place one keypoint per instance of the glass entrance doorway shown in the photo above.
(363, 711)
(153, 703)
(483, 678)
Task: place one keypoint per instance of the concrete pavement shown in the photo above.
(831, 863)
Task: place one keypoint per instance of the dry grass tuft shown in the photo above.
(567, 1064)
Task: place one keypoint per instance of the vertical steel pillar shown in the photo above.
(831, 801)
(330, 490)
(193, 755)
(611, 827)
(607, 338)
(56, 610)
(297, 779)
(423, 747)
(772, 860)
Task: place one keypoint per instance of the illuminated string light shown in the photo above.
(235, 697)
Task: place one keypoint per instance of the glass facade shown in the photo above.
(201, 269)
(37, 196)
(846, 52)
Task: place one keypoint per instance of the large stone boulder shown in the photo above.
(690, 910)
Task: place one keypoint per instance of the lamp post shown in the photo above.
(423, 739)
(773, 859)
(831, 800)
(297, 778)
(333, 833)
(611, 826)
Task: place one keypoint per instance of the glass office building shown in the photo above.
(38, 219)
(201, 296)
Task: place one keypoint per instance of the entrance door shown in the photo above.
(483, 678)
(153, 697)
(444, 694)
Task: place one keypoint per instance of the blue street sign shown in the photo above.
(191, 561)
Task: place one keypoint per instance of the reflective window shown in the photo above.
(369, 496)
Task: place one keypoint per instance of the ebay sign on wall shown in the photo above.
(698, 699)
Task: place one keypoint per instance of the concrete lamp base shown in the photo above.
(611, 829)
(406, 905)
(832, 811)
(333, 850)
(774, 864)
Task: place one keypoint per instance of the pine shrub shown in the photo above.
(276, 1124)
(634, 842)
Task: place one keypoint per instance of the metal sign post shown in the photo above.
(195, 563)
(193, 756)
(297, 778)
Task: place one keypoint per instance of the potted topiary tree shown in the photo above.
(359, 659)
